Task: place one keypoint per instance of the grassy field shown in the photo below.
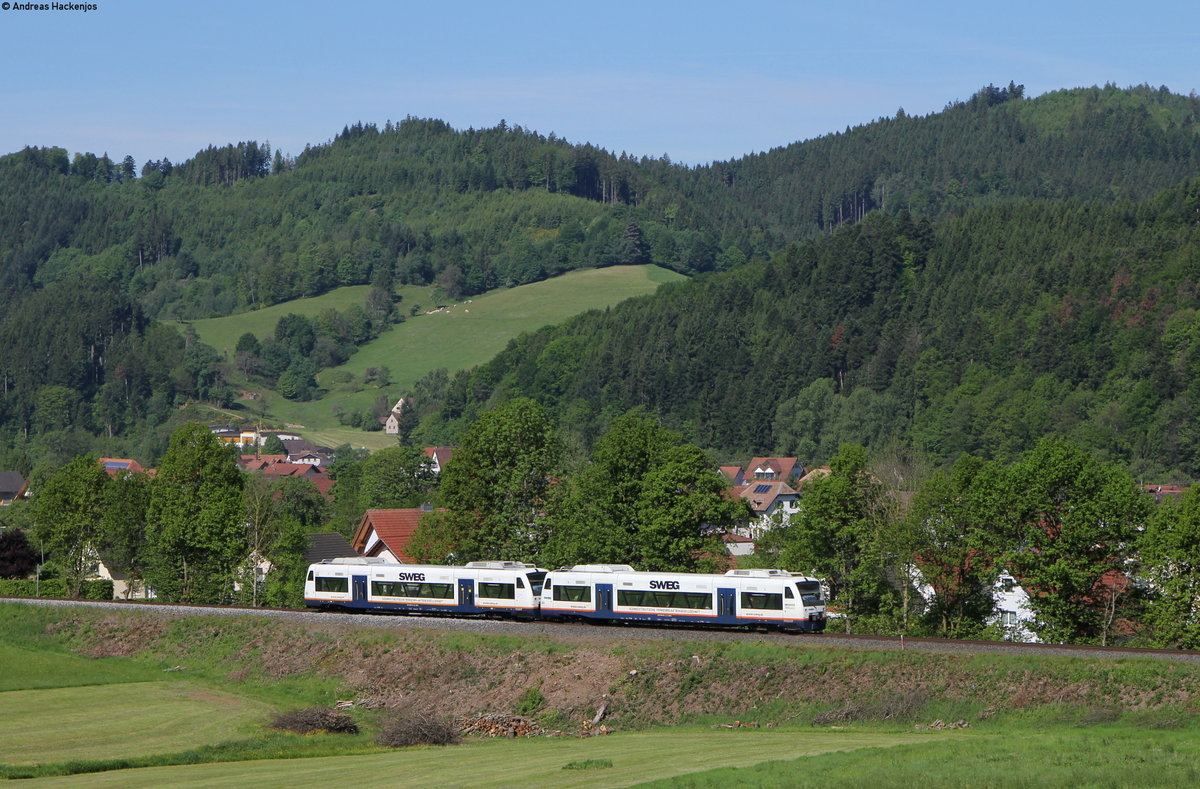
(463, 335)
(1060, 758)
(119, 720)
(634, 758)
(26, 669)
(223, 333)
(1057, 722)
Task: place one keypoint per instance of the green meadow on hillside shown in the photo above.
(460, 336)
(222, 333)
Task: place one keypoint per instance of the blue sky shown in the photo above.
(699, 81)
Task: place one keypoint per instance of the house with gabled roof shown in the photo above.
(387, 533)
(13, 487)
(279, 466)
(118, 466)
(733, 474)
(391, 422)
(438, 457)
(773, 469)
(768, 501)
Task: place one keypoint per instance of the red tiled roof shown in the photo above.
(259, 462)
(816, 473)
(115, 466)
(733, 473)
(441, 454)
(394, 528)
(292, 470)
(784, 468)
(760, 493)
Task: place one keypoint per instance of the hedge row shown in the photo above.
(54, 587)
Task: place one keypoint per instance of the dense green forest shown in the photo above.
(978, 334)
(924, 274)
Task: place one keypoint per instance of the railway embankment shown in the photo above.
(571, 677)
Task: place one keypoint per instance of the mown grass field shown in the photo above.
(465, 335)
(635, 758)
(120, 720)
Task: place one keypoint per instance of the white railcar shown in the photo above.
(617, 592)
(363, 583)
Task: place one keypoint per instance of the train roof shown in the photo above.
(626, 569)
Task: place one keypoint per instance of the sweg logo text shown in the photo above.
(411, 576)
(664, 584)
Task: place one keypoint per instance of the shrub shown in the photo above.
(588, 764)
(315, 719)
(412, 728)
(54, 587)
(531, 703)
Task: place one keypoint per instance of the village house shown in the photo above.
(280, 466)
(387, 533)
(13, 487)
(391, 422)
(770, 502)
(438, 457)
(764, 485)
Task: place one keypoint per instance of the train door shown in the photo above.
(466, 593)
(604, 596)
(726, 602)
(360, 588)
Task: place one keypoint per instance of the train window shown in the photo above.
(408, 589)
(535, 582)
(333, 584)
(759, 601)
(520, 582)
(810, 592)
(498, 591)
(310, 575)
(693, 600)
(545, 581)
(574, 594)
(787, 592)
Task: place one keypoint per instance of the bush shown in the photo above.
(315, 719)
(411, 728)
(531, 703)
(53, 587)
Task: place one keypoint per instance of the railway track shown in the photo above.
(638, 632)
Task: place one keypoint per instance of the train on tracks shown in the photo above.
(600, 593)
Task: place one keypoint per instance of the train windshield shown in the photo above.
(535, 582)
(810, 592)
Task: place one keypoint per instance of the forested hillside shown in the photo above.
(418, 202)
(978, 333)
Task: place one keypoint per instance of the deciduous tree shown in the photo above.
(196, 520)
(495, 487)
(69, 509)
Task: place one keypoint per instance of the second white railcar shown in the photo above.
(617, 592)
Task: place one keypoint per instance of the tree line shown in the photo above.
(904, 546)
